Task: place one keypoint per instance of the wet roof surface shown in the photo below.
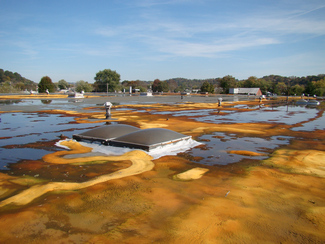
(18, 130)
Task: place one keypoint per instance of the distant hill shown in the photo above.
(293, 79)
(15, 81)
(183, 83)
(314, 84)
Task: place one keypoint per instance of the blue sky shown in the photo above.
(156, 39)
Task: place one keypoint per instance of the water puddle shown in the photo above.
(288, 115)
(9, 102)
(218, 145)
(188, 113)
(69, 104)
(24, 128)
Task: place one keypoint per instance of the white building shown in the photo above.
(246, 91)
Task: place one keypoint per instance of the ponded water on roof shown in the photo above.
(106, 133)
(148, 138)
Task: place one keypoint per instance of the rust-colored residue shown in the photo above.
(246, 153)
(277, 200)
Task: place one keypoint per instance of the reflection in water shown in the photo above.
(218, 145)
(24, 128)
(279, 115)
(54, 104)
(10, 101)
(75, 100)
(46, 101)
(289, 115)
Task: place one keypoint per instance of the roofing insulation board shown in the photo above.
(148, 139)
(105, 133)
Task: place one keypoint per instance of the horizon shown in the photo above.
(147, 40)
(72, 82)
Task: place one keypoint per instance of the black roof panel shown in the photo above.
(106, 133)
(148, 138)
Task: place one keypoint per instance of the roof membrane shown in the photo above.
(148, 138)
(106, 133)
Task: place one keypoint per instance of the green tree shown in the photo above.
(155, 85)
(138, 84)
(44, 84)
(62, 84)
(227, 82)
(160, 86)
(207, 87)
(107, 80)
(297, 89)
(172, 85)
(319, 87)
(83, 86)
(20, 86)
(281, 88)
(250, 82)
(180, 88)
(5, 87)
(164, 86)
(263, 85)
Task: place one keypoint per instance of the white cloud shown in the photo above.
(283, 26)
(209, 36)
(26, 49)
(151, 3)
(208, 49)
(106, 31)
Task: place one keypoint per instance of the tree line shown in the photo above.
(276, 84)
(108, 80)
(13, 82)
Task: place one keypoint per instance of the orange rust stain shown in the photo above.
(279, 200)
(246, 153)
(75, 147)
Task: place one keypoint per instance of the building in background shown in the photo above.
(246, 91)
